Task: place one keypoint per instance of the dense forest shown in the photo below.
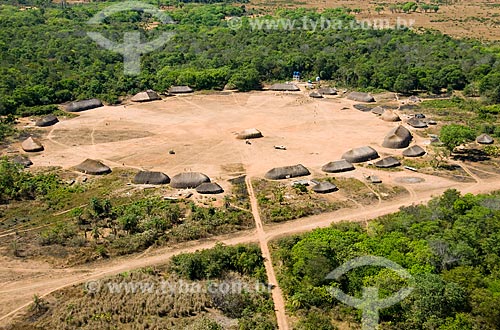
(451, 247)
(47, 57)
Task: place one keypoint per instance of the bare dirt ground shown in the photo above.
(201, 129)
(478, 19)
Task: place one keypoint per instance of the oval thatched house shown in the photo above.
(208, 188)
(251, 133)
(31, 145)
(47, 121)
(360, 97)
(22, 160)
(286, 172)
(390, 116)
(379, 111)
(180, 90)
(83, 105)
(414, 151)
(387, 162)
(316, 95)
(399, 137)
(484, 139)
(359, 155)
(324, 187)
(284, 88)
(416, 123)
(187, 180)
(92, 166)
(327, 91)
(338, 166)
(146, 177)
(146, 96)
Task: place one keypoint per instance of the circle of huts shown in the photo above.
(83, 105)
(399, 137)
(147, 177)
(338, 166)
(180, 90)
(484, 139)
(414, 151)
(286, 172)
(31, 145)
(327, 91)
(360, 97)
(416, 123)
(92, 166)
(390, 116)
(146, 96)
(324, 187)
(284, 88)
(47, 121)
(359, 155)
(251, 133)
(387, 162)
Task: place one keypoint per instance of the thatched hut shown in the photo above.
(284, 88)
(286, 172)
(180, 90)
(187, 180)
(31, 145)
(378, 111)
(327, 91)
(399, 137)
(251, 133)
(316, 95)
(92, 166)
(360, 97)
(414, 151)
(324, 187)
(484, 139)
(83, 105)
(387, 162)
(146, 96)
(359, 155)
(48, 120)
(338, 166)
(22, 160)
(390, 116)
(416, 123)
(146, 177)
(209, 188)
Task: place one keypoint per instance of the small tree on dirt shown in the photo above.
(439, 157)
(454, 135)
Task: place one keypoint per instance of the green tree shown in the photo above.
(454, 135)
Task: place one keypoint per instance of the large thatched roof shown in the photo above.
(145, 177)
(83, 105)
(146, 96)
(390, 115)
(359, 155)
(327, 91)
(378, 111)
(414, 151)
(180, 89)
(485, 139)
(387, 162)
(324, 187)
(92, 166)
(31, 145)
(47, 121)
(284, 88)
(286, 172)
(209, 188)
(22, 160)
(251, 133)
(188, 180)
(417, 123)
(360, 97)
(338, 166)
(398, 137)
(316, 95)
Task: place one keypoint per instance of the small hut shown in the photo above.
(414, 151)
(187, 180)
(316, 95)
(286, 172)
(327, 91)
(359, 155)
(390, 116)
(398, 138)
(83, 105)
(146, 177)
(387, 162)
(47, 121)
(361, 97)
(146, 96)
(338, 166)
(484, 139)
(416, 123)
(324, 187)
(284, 88)
(92, 166)
(22, 160)
(378, 111)
(31, 145)
(180, 90)
(251, 133)
(207, 188)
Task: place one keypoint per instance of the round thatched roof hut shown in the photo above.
(251, 133)
(324, 187)
(284, 88)
(145, 177)
(146, 96)
(92, 166)
(83, 105)
(180, 90)
(209, 188)
(378, 111)
(390, 115)
(22, 160)
(48, 120)
(187, 180)
(338, 166)
(316, 95)
(360, 97)
(485, 139)
(399, 137)
(359, 155)
(286, 172)
(416, 123)
(327, 91)
(414, 151)
(387, 162)
(31, 145)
